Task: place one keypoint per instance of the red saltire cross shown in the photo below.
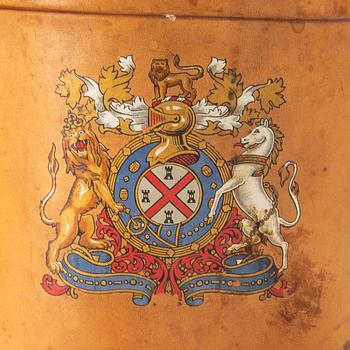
(169, 194)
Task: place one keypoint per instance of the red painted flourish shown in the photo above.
(282, 291)
(51, 287)
(129, 259)
(209, 258)
(197, 263)
(229, 235)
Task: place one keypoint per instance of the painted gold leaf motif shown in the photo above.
(70, 87)
(271, 95)
(113, 86)
(226, 89)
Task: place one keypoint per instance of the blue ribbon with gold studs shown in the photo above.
(241, 276)
(91, 271)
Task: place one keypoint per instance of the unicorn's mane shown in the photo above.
(277, 148)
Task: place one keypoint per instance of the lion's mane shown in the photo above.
(156, 76)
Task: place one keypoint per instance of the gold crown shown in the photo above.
(72, 122)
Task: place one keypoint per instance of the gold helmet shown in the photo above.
(172, 121)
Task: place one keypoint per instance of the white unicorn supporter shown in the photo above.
(262, 146)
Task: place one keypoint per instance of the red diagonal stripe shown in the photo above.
(185, 210)
(169, 194)
(153, 179)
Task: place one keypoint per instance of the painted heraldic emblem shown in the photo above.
(173, 215)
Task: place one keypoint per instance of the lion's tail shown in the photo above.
(53, 167)
(200, 69)
(293, 189)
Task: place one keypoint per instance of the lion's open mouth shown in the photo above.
(80, 146)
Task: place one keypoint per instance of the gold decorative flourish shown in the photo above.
(271, 95)
(70, 87)
(87, 111)
(113, 86)
(250, 116)
(123, 128)
(226, 89)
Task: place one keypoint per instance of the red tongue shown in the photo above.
(239, 144)
(80, 145)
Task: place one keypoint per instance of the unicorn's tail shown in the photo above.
(293, 189)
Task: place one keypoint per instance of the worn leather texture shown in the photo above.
(305, 42)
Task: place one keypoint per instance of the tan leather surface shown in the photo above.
(274, 9)
(314, 60)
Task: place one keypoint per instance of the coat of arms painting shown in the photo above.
(167, 213)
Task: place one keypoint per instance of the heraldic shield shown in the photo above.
(175, 216)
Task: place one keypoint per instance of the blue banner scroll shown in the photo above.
(241, 276)
(90, 271)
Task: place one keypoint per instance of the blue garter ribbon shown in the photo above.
(91, 271)
(240, 276)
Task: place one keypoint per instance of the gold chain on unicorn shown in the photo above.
(262, 145)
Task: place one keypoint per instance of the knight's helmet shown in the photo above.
(172, 121)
